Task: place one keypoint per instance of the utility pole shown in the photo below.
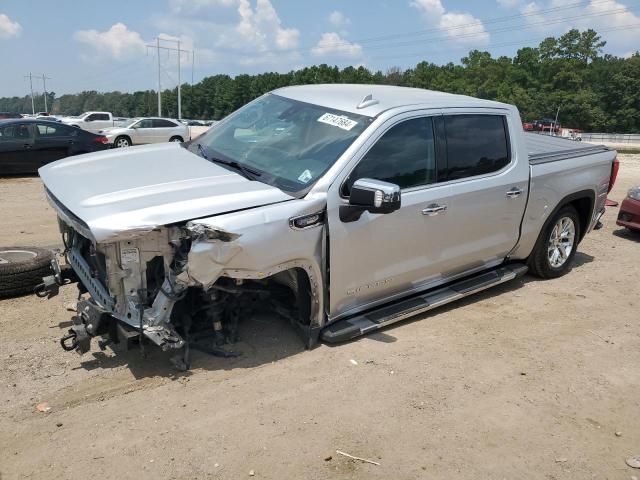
(44, 87)
(179, 82)
(33, 107)
(555, 124)
(159, 86)
(179, 50)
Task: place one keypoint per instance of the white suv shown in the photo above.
(139, 131)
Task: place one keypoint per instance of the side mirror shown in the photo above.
(88, 119)
(369, 195)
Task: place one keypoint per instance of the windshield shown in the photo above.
(290, 144)
(129, 122)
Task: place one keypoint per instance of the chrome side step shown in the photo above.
(361, 324)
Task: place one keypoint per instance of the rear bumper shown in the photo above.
(629, 215)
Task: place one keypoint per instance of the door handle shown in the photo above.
(434, 209)
(514, 192)
(27, 146)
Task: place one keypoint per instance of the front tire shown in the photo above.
(553, 254)
(122, 142)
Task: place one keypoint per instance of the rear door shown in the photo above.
(488, 188)
(16, 149)
(52, 142)
(164, 129)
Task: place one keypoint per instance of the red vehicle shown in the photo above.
(527, 126)
(629, 215)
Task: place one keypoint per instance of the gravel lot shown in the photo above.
(535, 380)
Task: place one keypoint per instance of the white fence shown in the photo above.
(631, 138)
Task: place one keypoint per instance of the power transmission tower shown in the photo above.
(158, 47)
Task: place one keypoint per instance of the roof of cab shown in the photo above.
(348, 97)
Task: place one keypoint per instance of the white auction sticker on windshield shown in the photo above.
(338, 121)
(305, 176)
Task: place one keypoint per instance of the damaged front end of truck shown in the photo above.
(187, 285)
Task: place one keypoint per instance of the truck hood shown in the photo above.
(126, 192)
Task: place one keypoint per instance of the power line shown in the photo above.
(168, 50)
(495, 45)
(476, 23)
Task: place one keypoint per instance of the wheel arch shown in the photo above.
(123, 136)
(583, 201)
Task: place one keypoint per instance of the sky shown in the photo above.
(102, 45)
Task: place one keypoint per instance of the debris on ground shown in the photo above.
(356, 458)
(353, 362)
(634, 462)
(328, 459)
(43, 407)
(618, 434)
(561, 460)
(252, 473)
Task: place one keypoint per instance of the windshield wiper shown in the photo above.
(248, 173)
(202, 151)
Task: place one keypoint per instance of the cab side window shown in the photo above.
(404, 155)
(146, 123)
(476, 145)
(162, 123)
(15, 132)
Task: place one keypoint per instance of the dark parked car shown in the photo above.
(9, 115)
(28, 144)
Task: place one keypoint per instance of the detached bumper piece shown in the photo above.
(353, 327)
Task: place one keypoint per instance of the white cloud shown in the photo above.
(610, 17)
(118, 43)
(509, 3)
(9, 28)
(261, 27)
(338, 19)
(190, 7)
(332, 44)
(461, 27)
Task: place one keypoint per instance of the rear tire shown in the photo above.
(176, 139)
(556, 247)
(122, 142)
(22, 268)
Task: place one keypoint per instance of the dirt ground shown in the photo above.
(531, 380)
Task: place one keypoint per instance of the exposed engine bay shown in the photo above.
(171, 287)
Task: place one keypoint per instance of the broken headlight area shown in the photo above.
(168, 289)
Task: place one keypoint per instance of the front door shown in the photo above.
(16, 149)
(381, 256)
(144, 132)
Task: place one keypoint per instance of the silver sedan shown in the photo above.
(140, 131)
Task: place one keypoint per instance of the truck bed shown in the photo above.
(545, 148)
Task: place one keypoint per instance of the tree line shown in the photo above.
(594, 92)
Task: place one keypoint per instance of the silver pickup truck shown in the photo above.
(343, 208)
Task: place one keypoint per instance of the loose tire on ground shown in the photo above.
(22, 268)
(541, 262)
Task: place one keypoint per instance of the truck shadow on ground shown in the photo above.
(627, 234)
(384, 335)
(264, 338)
